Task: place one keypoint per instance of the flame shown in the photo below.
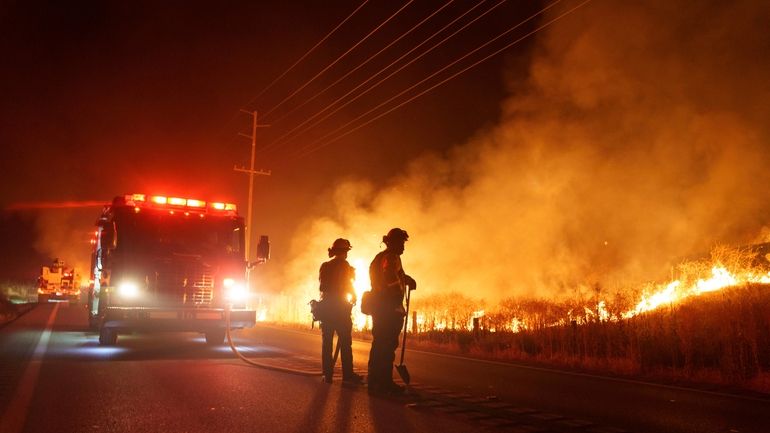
(676, 291)
(727, 268)
(360, 285)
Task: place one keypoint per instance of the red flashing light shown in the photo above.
(138, 201)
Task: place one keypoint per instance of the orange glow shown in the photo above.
(218, 206)
(176, 201)
(136, 209)
(230, 206)
(159, 199)
(138, 197)
(676, 290)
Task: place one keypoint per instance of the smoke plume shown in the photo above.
(639, 137)
(65, 234)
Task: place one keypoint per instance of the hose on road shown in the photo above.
(261, 364)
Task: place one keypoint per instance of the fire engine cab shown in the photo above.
(169, 264)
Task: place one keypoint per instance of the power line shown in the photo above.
(277, 141)
(324, 144)
(368, 59)
(307, 53)
(235, 115)
(376, 29)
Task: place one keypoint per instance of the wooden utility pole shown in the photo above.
(251, 173)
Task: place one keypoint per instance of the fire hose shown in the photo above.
(264, 365)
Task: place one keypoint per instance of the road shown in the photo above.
(55, 377)
(605, 401)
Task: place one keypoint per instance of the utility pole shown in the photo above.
(251, 173)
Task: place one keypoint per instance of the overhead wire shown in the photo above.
(402, 67)
(311, 149)
(367, 60)
(294, 130)
(376, 29)
(313, 48)
(269, 86)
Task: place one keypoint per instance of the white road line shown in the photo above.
(16, 413)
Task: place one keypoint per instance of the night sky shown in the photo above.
(106, 98)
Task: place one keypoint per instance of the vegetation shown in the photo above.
(720, 337)
(17, 292)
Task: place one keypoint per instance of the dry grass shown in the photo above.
(721, 337)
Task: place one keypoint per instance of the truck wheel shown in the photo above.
(108, 337)
(215, 337)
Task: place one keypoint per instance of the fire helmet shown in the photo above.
(395, 235)
(338, 246)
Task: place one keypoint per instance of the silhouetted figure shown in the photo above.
(338, 297)
(389, 283)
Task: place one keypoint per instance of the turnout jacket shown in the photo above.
(336, 280)
(388, 280)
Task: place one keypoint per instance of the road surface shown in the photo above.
(55, 377)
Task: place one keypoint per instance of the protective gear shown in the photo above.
(336, 284)
(340, 245)
(395, 235)
(410, 282)
(389, 284)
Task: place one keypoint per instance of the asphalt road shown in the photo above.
(62, 381)
(608, 402)
(54, 377)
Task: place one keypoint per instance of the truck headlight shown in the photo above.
(128, 289)
(235, 291)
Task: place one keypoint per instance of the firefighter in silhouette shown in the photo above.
(338, 297)
(389, 283)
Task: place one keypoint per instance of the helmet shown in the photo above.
(338, 246)
(395, 235)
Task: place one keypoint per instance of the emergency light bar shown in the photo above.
(160, 201)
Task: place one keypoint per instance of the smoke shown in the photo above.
(66, 234)
(639, 137)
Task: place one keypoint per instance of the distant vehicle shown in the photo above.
(169, 264)
(57, 282)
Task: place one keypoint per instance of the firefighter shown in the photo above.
(338, 297)
(389, 283)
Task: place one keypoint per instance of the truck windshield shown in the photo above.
(164, 234)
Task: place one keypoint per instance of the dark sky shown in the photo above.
(104, 98)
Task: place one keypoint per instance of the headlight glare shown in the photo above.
(128, 289)
(235, 291)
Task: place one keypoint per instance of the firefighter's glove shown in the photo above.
(411, 283)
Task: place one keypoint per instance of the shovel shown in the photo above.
(401, 368)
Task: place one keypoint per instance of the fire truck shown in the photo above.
(58, 282)
(169, 264)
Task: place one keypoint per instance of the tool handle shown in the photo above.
(406, 321)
